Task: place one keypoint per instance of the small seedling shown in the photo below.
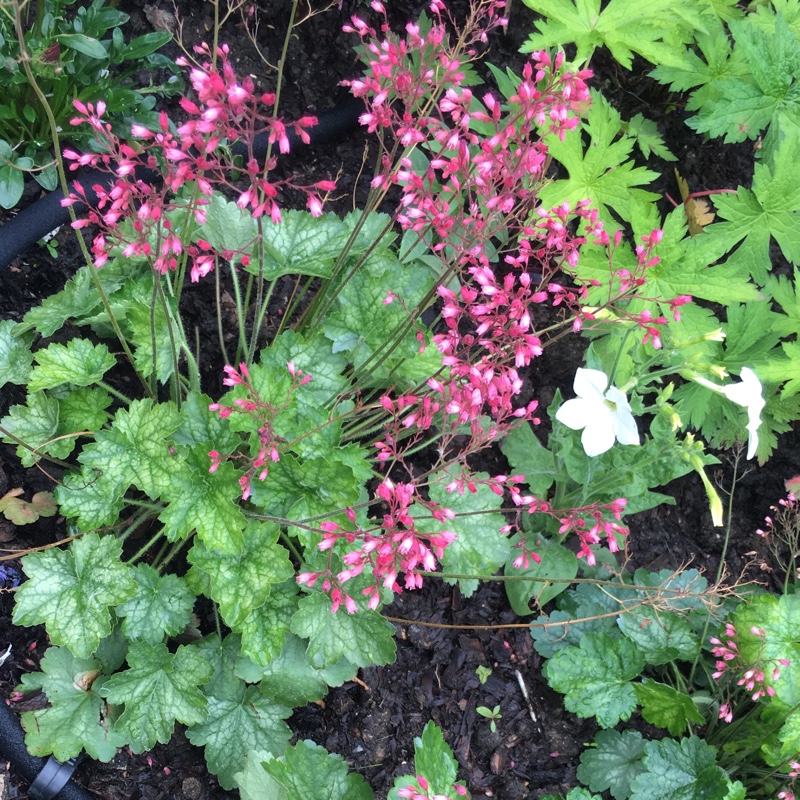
(491, 714)
(483, 674)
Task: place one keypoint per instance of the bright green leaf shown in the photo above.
(234, 726)
(595, 677)
(362, 638)
(613, 763)
(15, 354)
(71, 590)
(163, 605)
(158, 688)
(79, 362)
(666, 707)
(77, 717)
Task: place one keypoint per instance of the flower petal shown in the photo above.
(577, 413)
(590, 383)
(598, 437)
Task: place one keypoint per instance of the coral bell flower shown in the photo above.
(603, 414)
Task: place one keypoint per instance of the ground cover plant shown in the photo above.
(230, 553)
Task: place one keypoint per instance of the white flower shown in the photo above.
(748, 393)
(603, 415)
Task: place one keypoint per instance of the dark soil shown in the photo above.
(443, 637)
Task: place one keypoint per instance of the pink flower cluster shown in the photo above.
(753, 677)
(253, 405)
(420, 790)
(192, 161)
(395, 545)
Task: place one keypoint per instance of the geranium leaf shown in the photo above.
(77, 717)
(158, 688)
(613, 763)
(163, 605)
(71, 590)
(237, 724)
(595, 677)
(362, 638)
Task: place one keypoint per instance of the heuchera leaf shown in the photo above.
(264, 628)
(15, 354)
(290, 680)
(202, 502)
(662, 637)
(684, 770)
(237, 724)
(666, 707)
(79, 362)
(480, 548)
(777, 616)
(158, 688)
(556, 562)
(163, 605)
(77, 717)
(309, 772)
(241, 583)
(362, 638)
(595, 677)
(613, 763)
(71, 590)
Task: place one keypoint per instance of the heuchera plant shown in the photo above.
(259, 533)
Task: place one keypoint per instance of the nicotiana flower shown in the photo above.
(748, 394)
(602, 413)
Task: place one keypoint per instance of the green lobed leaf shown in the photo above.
(363, 638)
(92, 498)
(15, 354)
(264, 628)
(36, 424)
(595, 677)
(661, 636)
(71, 591)
(433, 758)
(236, 725)
(242, 582)
(163, 605)
(157, 689)
(556, 562)
(135, 449)
(666, 707)
(684, 770)
(309, 772)
(77, 718)
(777, 616)
(480, 549)
(79, 362)
(83, 409)
(201, 502)
(290, 680)
(613, 763)
(529, 457)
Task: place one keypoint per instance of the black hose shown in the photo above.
(38, 219)
(12, 748)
